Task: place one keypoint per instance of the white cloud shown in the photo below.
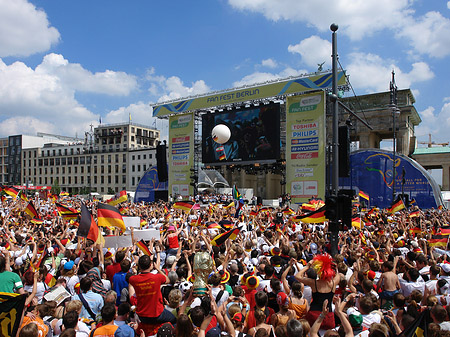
(371, 73)
(269, 63)
(74, 76)
(357, 19)
(174, 88)
(24, 29)
(44, 97)
(429, 34)
(448, 4)
(313, 51)
(261, 77)
(436, 124)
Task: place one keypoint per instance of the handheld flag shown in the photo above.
(11, 191)
(438, 241)
(23, 195)
(397, 206)
(31, 210)
(316, 216)
(66, 212)
(184, 205)
(221, 238)
(88, 228)
(11, 309)
(118, 198)
(109, 216)
(142, 246)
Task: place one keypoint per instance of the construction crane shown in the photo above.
(431, 143)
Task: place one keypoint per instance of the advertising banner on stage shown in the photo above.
(279, 88)
(181, 154)
(305, 147)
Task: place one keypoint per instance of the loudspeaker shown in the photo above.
(344, 152)
(161, 162)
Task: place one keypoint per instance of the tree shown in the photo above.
(111, 191)
(55, 187)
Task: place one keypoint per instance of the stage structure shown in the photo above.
(253, 114)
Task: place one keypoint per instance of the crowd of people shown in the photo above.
(275, 277)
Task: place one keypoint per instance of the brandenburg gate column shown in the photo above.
(446, 177)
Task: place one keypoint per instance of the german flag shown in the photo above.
(316, 216)
(221, 238)
(184, 205)
(50, 280)
(23, 195)
(11, 191)
(438, 241)
(288, 211)
(118, 198)
(357, 223)
(197, 222)
(31, 210)
(414, 214)
(88, 228)
(11, 307)
(415, 230)
(213, 225)
(123, 210)
(67, 212)
(253, 213)
(363, 195)
(397, 206)
(440, 207)
(166, 210)
(419, 327)
(363, 238)
(222, 156)
(109, 216)
(142, 246)
(444, 231)
(308, 207)
(64, 194)
(41, 259)
(37, 221)
(226, 224)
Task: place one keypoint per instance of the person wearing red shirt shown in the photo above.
(114, 268)
(147, 288)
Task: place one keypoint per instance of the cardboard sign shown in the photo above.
(147, 234)
(132, 221)
(118, 241)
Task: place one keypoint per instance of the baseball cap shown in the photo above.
(354, 317)
(445, 267)
(282, 299)
(68, 265)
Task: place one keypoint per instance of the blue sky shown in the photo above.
(64, 64)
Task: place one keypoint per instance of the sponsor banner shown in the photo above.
(181, 154)
(305, 146)
(290, 86)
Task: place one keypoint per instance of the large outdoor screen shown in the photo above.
(255, 135)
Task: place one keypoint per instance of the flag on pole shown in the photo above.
(363, 195)
(108, 216)
(397, 206)
(23, 195)
(357, 223)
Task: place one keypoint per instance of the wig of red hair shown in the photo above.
(324, 266)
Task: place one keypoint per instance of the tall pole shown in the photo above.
(335, 144)
(333, 226)
(393, 97)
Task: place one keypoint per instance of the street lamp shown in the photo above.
(395, 111)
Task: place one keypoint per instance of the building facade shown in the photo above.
(111, 158)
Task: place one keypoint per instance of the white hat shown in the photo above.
(445, 267)
(414, 244)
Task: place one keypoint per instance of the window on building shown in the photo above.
(69, 180)
(124, 158)
(124, 168)
(82, 160)
(145, 156)
(133, 157)
(82, 169)
(63, 180)
(102, 159)
(63, 161)
(109, 169)
(116, 179)
(75, 169)
(102, 169)
(132, 168)
(69, 169)
(132, 181)
(75, 180)
(139, 168)
(117, 158)
(109, 159)
(95, 180)
(75, 160)
(69, 161)
(109, 180)
(124, 179)
(102, 179)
